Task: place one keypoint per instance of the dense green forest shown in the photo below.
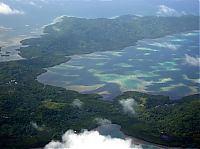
(32, 113)
(25, 103)
(79, 35)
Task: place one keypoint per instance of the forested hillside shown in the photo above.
(80, 35)
(32, 114)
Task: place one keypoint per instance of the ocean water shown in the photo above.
(167, 66)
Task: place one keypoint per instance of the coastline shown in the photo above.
(77, 56)
(142, 141)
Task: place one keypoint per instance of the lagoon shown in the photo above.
(167, 66)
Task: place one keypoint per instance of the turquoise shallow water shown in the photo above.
(167, 66)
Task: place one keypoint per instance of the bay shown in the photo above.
(167, 66)
(111, 73)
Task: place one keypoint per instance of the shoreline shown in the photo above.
(115, 131)
(147, 144)
(173, 98)
(59, 19)
(136, 140)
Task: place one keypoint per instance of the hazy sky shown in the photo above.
(34, 9)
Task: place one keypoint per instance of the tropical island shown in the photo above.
(32, 114)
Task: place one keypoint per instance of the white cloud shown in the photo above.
(193, 61)
(56, 20)
(128, 105)
(163, 10)
(35, 125)
(77, 103)
(102, 121)
(90, 140)
(7, 10)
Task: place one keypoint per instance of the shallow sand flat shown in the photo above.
(157, 66)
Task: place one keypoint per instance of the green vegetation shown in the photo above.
(31, 114)
(171, 123)
(24, 101)
(79, 35)
(53, 105)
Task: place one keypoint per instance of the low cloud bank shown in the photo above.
(164, 10)
(90, 140)
(35, 125)
(77, 103)
(128, 105)
(7, 10)
(102, 121)
(193, 61)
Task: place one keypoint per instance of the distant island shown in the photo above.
(80, 36)
(32, 114)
